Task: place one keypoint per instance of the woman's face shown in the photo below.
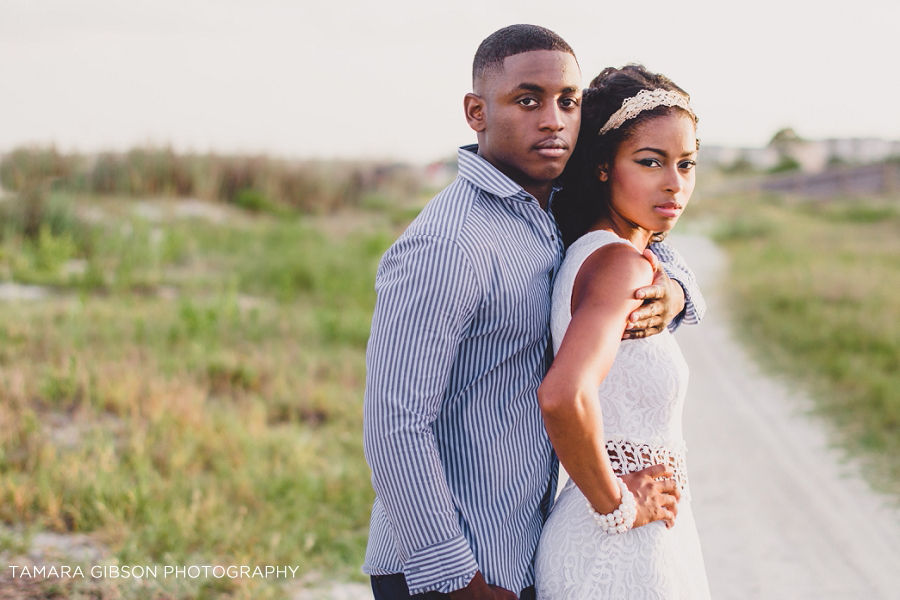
(652, 176)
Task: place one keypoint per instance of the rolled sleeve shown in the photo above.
(444, 567)
(676, 268)
(426, 295)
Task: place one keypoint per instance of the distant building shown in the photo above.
(808, 156)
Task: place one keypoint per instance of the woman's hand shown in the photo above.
(663, 300)
(656, 493)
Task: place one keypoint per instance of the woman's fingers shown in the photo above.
(656, 493)
(670, 486)
(658, 471)
(669, 520)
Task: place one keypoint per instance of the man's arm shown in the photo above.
(673, 298)
(426, 296)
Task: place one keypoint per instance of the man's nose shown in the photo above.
(552, 117)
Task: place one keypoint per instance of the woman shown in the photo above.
(629, 180)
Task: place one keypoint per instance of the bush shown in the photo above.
(264, 183)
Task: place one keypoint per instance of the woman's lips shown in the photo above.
(669, 209)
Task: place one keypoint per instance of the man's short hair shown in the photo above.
(513, 40)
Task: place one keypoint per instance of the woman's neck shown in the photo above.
(638, 236)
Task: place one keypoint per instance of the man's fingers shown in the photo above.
(502, 593)
(650, 292)
(637, 334)
(654, 261)
(645, 315)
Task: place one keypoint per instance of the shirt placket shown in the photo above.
(547, 228)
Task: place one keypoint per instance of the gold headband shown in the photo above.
(645, 100)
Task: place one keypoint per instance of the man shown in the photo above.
(462, 468)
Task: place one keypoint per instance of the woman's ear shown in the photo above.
(603, 172)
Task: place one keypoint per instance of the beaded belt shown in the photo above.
(627, 457)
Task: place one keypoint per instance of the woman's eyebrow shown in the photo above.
(663, 153)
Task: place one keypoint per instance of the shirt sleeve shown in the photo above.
(426, 296)
(677, 269)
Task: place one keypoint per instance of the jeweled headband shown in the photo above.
(645, 100)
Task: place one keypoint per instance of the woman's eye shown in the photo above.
(687, 164)
(649, 162)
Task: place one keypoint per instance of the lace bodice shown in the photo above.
(642, 397)
(641, 400)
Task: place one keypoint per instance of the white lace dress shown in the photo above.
(641, 400)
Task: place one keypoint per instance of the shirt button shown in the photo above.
(552, 238)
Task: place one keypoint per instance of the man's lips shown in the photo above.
(552, 148)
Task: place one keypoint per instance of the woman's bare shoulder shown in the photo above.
(617, 260)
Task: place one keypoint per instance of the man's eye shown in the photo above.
(569, 102)
(528, 102)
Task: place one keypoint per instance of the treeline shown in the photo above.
(254, 182)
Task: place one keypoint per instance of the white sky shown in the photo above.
(334, 78)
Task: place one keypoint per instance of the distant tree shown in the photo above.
(836, 161)
(787, 163)
(785, 136)
(739, 167)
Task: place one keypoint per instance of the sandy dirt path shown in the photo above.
(781, 514)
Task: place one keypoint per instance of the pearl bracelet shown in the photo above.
(621, 519)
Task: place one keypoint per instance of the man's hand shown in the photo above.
(656, 493)
(663, 301)
(479, 589)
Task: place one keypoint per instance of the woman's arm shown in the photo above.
(602, 299)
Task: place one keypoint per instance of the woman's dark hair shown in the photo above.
(584, 198)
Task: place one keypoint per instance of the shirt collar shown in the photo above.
(486, 176)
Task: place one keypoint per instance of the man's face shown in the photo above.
(531, 116)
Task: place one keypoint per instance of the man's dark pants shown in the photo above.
(393, 587)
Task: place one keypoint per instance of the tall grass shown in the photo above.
(814, 288)
(192, 394)
(253, 182)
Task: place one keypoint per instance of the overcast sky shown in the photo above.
(333, 78)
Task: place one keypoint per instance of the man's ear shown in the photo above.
(474, 107)
(603, 172)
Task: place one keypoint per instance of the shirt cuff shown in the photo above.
(693, 309)
(444, 567)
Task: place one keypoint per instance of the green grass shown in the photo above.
(193, 393)
(191, 390)
(813, 287)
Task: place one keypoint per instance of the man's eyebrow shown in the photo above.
(539, 89)
(531, 87)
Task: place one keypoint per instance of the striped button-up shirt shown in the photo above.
(463, 470)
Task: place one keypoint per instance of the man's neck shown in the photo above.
(540, 190)
(541, 193)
